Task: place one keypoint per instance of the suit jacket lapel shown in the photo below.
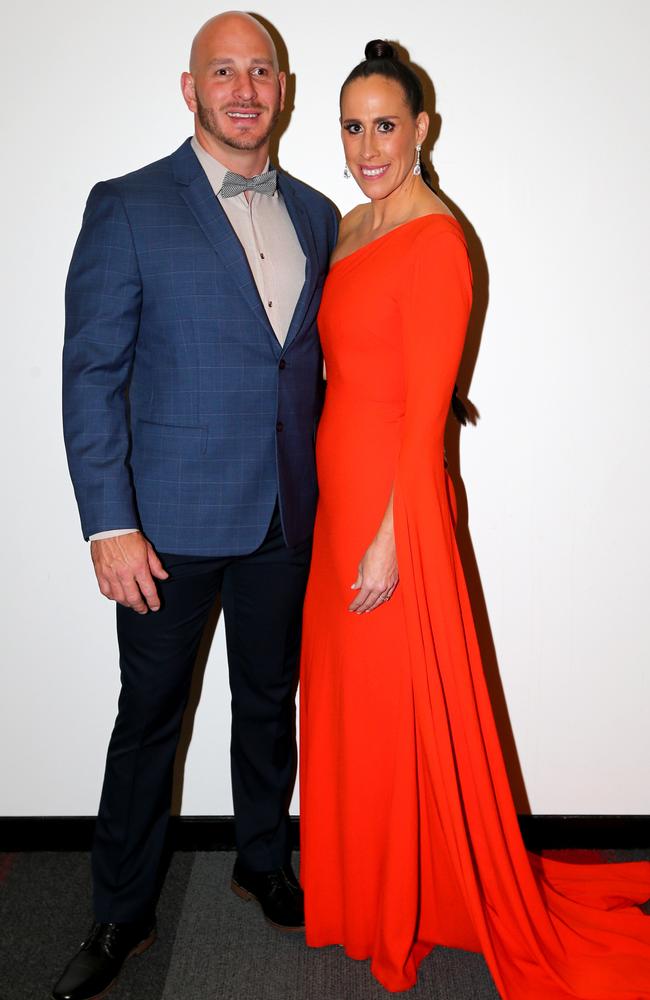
(302, 225)
(199, 196)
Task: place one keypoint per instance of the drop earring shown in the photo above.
(346, 172)
(417, 169)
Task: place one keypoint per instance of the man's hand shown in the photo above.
(125, 566)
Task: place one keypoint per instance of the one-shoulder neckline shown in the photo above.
(395, 229)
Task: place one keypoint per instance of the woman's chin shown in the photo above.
(374, 189)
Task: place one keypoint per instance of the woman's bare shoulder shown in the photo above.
(432, 204)
(352, 220)
(349, 232)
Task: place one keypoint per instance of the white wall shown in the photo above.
(544, 147)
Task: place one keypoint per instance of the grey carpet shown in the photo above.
(225, 949)
(45, 913)
(211, 945)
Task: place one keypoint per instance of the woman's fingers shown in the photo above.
(382, 598)
(357, 585)
(360, 600)
(372, 596)
(364, 601)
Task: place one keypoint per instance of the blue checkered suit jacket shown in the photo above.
(182, 413)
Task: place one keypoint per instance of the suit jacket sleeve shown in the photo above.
(103, 299)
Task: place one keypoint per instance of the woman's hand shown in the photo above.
(378, 575)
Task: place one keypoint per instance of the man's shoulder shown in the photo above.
(314, 200)
(153, 175)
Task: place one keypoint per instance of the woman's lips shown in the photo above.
(372, 173)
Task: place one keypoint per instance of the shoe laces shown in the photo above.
(279, 880)
(106, 935)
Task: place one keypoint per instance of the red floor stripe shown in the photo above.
(7, 861)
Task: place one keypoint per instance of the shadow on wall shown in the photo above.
(452, 443)
(481, 284)
(282, 123)
(481, 295)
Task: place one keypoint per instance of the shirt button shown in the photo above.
(270, 303)
(283, 364)
(279, 426)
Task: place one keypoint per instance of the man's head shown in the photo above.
(234, 86)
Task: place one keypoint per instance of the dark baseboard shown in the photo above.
(551, 832)
(217, 833)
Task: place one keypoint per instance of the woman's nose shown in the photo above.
(368, 147)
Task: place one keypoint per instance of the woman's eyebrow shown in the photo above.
(379, 118)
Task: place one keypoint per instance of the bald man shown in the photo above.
(192, 390)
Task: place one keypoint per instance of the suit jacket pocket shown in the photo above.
(152, 439)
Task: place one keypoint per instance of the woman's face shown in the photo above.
(379, 134)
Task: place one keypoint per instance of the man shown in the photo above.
(193, 291)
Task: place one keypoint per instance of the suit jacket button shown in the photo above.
(283, 364)
(279, 426)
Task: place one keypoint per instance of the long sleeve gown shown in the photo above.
(409, 833)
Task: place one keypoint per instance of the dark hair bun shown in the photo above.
(379, 49)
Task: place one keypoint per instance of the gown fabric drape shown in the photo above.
(409, 836)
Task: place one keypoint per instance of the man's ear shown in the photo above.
(188, 91)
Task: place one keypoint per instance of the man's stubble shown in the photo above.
(208, 122)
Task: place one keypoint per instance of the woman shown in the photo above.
(409, 834)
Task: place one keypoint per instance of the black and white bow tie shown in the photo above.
(234, 184)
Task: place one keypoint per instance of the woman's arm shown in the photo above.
(437, 301)
(378, 575)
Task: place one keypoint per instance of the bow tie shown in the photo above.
(234, 184)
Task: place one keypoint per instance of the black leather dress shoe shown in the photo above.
(278, 893)
(96, 966)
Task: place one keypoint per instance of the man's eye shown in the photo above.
(260, 71)
(222, 71)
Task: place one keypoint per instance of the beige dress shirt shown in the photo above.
(269, 240)
(265, 231)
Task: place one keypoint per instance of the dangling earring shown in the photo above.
(417, 169)
(346, 172)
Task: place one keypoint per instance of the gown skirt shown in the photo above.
(409, 836)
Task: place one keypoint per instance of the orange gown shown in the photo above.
(409, 836)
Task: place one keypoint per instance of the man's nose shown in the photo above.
(244, 87)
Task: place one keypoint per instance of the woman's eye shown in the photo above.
(385, 127)
(353, 127)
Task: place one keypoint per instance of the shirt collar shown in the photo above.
(214, 170)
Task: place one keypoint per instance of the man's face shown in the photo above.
(235, 88)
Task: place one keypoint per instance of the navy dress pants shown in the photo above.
(262, 596)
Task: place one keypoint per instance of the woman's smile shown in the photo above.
(371, 172)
